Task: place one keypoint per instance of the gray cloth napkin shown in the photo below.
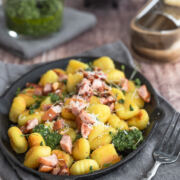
(74, 23)
(136, 168)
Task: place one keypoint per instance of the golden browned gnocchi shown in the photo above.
(79, 120)
(18, 107)
(126, 110)
(75, 65)
(35, 139)
(105, 154)
(114, 76)
(101, 111)
(84, 166)
(17, 140)
(49, 77)
(104, 63)
(81, 149)
(140, 121)
(117, 123)
(100, 135)
(26, 116)
(72, 81)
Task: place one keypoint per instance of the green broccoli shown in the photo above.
(127, 140)
(52, 139)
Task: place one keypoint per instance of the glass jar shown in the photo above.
(33, 18)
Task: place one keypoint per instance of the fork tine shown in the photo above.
(169, 143)
(176, 149)
(174, 142)
(166, 132)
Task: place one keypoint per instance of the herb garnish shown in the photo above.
(124, 92)
(25, 135)
(41, 144)
(64, 81)
(18, 91)
(78, 136)
(91, 169)
(54, 97)
(127, 139)
(31, 111)
(107, 165)
(137, 82)
(121, 101)
(41, 98)
(89, 69)
(113, 85)
(52, 139)
(131, 108)
(133, 74)
(122, 67)
(34, 106)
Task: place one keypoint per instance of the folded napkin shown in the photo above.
(74, 23)
(134, 169)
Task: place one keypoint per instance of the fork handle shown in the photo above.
(153, 171)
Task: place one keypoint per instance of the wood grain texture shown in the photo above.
(113, 25)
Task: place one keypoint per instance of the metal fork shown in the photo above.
(167, 151)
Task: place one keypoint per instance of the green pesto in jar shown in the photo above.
(34, 17)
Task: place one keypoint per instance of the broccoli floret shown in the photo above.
(127, 140)
(52, 139)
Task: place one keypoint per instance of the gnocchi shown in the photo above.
(140, 121)
(17, 140)
(84, 166)
(18, 107)
(109, 155)
(49, 77)
(75, 65)
(117, 123)
(101, 111)
(104, 63)
(81, 149)
(35, 139)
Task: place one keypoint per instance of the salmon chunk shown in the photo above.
(55, 170)
(125, 85)
(66, 143)
(44, 168)
(59, 124)
(51, 113)
(85, 130)
(76, 105)
(86, 117)
(49, 160)
(47, 88)
(98, 85)
(64, 171)
(31, 124)
(144, 93)
(85, 87)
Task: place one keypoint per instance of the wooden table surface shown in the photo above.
(113, 25)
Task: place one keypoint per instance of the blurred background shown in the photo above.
(113, 24)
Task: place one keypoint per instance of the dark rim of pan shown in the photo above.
(95, 173)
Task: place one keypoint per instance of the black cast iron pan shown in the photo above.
(33, 76)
